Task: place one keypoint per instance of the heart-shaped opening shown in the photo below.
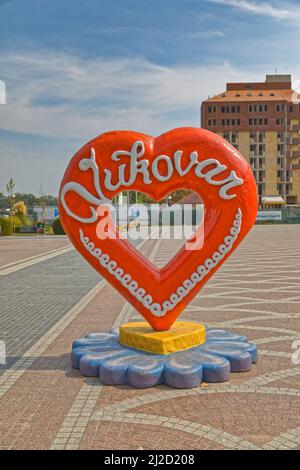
(170, 225)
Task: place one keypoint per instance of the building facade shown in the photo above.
(262, 120)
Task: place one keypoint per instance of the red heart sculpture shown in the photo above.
(184, 158)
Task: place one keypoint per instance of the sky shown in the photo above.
(73, 70)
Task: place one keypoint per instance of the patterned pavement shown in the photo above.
(45, 404)
(35, 298)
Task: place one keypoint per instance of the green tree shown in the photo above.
(3, 201)
(57, 227)
(6, 226)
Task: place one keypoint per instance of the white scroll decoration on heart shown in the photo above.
(139, 166)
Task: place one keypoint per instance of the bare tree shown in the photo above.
(11, 201)
(10, 191)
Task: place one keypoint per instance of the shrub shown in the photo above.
(15, 221)
(6, 226)
(57, 227)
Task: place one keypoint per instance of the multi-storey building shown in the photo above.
(262, 120)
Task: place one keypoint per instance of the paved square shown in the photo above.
(50, 296)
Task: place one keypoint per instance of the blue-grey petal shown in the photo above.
(236, 353)
(182, 372)
(146, 371)
(222, 335)
(215, 368)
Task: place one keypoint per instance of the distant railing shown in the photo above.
(285, 215)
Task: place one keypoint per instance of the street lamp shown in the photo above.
(13, 212)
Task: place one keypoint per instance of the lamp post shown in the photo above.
(13, 212)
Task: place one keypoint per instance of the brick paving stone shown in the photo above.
(51, 404)
(15, 249)
(34, 299)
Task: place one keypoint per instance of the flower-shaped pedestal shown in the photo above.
(101, 354)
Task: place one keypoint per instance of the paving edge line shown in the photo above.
(9, 377)
(75, 423)
(33, 260)
(23, 260)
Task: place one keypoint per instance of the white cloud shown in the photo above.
(207, 34)
(285, 12)
(2, 92)
(70, 100)
(60, 95)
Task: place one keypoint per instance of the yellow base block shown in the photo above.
(182, 335)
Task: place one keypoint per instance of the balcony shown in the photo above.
(295, 154)
(295, 127)
(295, 141)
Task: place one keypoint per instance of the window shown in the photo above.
(262, 108)
(265, 121)
(260, 121)
(291, 108)
(250, 108)
(223, 122)
(280, 108)
(279, 121)
(223, 109)
(238, 121)
(281, 136)
(233, 122)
